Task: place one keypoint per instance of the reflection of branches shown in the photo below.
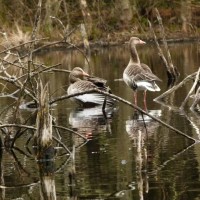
(182, 113)
(19, 134)
(164, 164)
(63, 165)
(17, 161)
(3, 186)
(71, 131)
(196, 100)
(62, 144)
(20, 185)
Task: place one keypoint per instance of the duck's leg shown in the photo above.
(135, 97)
(145, 103)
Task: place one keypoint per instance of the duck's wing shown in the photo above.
(142, 74)
(99, 82)
(132, 70)
(146, 68)
(80, 86)
(83, 86)
(149, 73)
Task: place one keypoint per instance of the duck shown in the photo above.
(80, 81)
(137, 75)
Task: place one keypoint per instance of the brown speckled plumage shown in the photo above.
(137, 73)
(82, 82)
(138, 76)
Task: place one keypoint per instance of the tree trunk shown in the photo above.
(186, 15)
(86, 15)
(126, 11)
(52, 8)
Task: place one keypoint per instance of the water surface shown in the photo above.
(123, 159)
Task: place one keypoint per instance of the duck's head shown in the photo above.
(135, 41)
(77, 74)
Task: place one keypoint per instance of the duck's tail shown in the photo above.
(153, 87)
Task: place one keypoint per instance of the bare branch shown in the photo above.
(191, 90)
(173, 89)
(127, 103)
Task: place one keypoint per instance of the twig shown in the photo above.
(32, 74)
(191, 90)
(17, 125)
(23, 44)
(18, 84)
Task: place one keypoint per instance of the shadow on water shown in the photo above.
(127, 155)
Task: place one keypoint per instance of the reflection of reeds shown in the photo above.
(139, 133)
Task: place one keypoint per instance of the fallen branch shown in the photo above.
(173, 89)
(127, 103)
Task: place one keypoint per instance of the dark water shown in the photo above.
(122, 160)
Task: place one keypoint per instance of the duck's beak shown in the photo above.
(85, 74)
(142, 42)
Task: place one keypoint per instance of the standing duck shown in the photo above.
(138, 76)
(80, 81)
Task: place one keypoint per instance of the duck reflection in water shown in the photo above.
(92, 120)
(139, 129)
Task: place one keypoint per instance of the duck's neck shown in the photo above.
(73, 79)
(134, 55)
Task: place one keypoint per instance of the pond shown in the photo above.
(122, 159)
